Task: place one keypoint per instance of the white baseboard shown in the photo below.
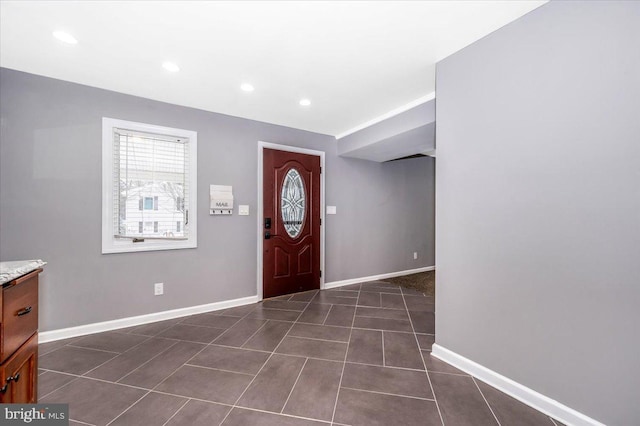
(528, 396)
(350, 281)
(98, 327)
(82, 330)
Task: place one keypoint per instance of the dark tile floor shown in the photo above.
(358, 355)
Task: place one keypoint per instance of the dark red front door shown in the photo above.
(291, 228)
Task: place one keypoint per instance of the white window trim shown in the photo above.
(110, 244)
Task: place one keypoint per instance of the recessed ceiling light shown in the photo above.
(171, 67)
(305, 102)
(246, 87)
(66, 37)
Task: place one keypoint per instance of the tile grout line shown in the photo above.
(383, 307)
(294, 386)
(179, 409)
(240, 407)
(435, 399)
(250, 337)
(192, 398)
(41, 397)
(327, 316)
(216, 369)
(236, 323)
(285, 310)
(96, 367)
(449, 374)
(119, 354)
(81, 422)
(262, 367)
(51, 351)
(288, 301)
(282, 414)
(272, 319)
(309, 323)
(202, 326)
(338, 304)
(379, 290)
(342, 296)
(315, 338)
(344, 364)
(388, 393)
(131, 348)
(87, 378)
(131, 333)
(238, 347)
(100, 365)
(485, 400)
(384, 362)
(147, 361)
(387, 366)
(128, 408)
(326, 359)
(325, 325)
(59, 387)
(381, 329)
(344, 299)
(92, 349)
(371, 316)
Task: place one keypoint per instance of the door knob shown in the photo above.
(267, 235)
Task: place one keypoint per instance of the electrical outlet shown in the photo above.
(158, 289)
(415, 255)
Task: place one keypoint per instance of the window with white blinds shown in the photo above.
(149, 182)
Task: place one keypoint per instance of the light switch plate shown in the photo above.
(243, 210)
(158, 289)
(331, 209)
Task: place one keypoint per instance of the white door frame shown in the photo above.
(260, 210)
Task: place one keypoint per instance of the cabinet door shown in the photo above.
(20, 374)
(19, 313)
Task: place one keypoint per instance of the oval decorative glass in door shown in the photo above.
(293, 203)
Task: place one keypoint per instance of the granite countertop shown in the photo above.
(17, 268)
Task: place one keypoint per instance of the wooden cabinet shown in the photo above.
(19, 340)
(20, 375)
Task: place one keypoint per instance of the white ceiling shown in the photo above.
(355, 61)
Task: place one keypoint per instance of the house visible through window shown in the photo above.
(151, 176)
(148, 203)
(152, 187)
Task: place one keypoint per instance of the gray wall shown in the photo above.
(50, 198)
(538, 205)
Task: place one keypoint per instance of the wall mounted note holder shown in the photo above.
(221, 200)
